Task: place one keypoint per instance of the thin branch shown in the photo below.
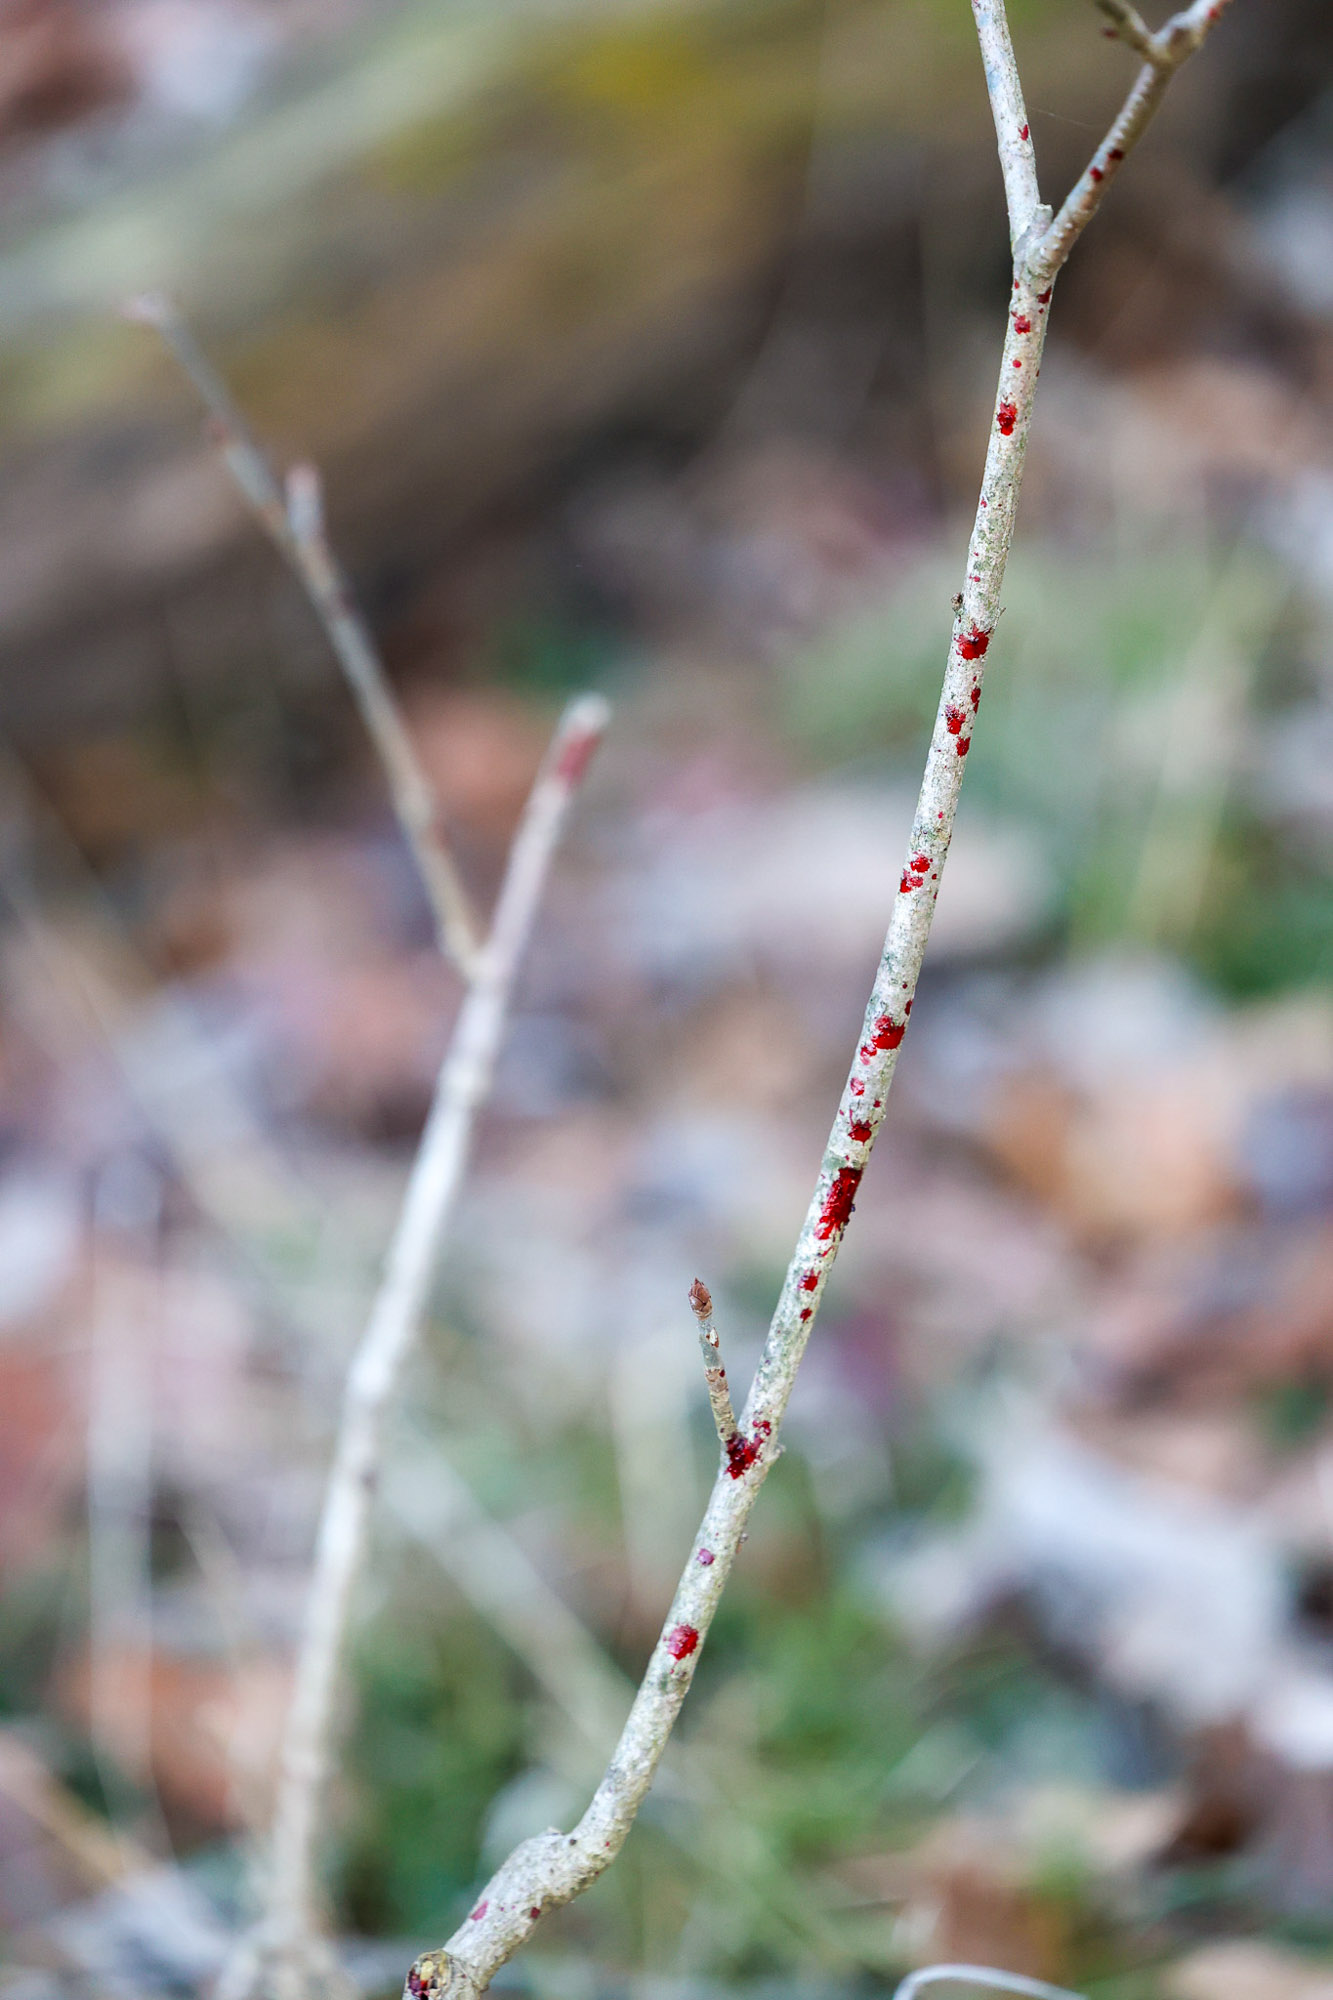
(981, 1975)
(553, 1867)
(719, 1395)
(1164, 51)
(291, 1928)
(1013, 135)
(1130, 27)
(296, 526)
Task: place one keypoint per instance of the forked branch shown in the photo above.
(553, 1867)
(296, 527)
(286, 1953)
(1163, 53)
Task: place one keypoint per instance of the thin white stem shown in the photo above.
(296, 526)
(432, 1192)
(715, 1375)
(553, 1867)
(980, 1975)
(1164, 52)
(1013, 135)
(1130, 27)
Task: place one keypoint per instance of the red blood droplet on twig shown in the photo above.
(1006, 417)
(576, 756)
(837, 1208)
(681, 1641)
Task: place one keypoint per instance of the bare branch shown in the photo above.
(296, 527)
(1013, 135)
(1164, 51)
(553, 1867)
(719, 1395)
(1130, 27)
(981, 1975)
(291, 1929)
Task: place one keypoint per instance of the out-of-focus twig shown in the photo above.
(287, 1954)
(989, 1976)
(553, 1867)
(296, 526)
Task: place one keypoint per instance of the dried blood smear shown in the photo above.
(972, 645)
(837, 1208)
(681, 1641)
(576, 756)
(885, 1034)
(1006, 417)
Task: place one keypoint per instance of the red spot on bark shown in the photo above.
(964, 745)
(1095, 173)
(1022, 324)
(1006, 417)
(806, 1312)
(856, 1086)
(742, 1451)
(921, 863)
(837, 1209)
(681, 1641)
(1022, 131)
(1017, 362)
(954, 719)
(1044, 298)
(1115, 154)
(479, 1913)
(706, 1558)
(859, 1129)
(534, 1914)
(416, 1985)
(809, 1281)
(908, 883)
(972, 645)
(886, 1035)
(576, 756)
(975, 698)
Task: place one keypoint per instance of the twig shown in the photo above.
(981, 1975)
(1130, 26)
(296, 526)
(719, 1396)
(1163, 52)
(553, 1867)
(1013, 134)
(432, 1191)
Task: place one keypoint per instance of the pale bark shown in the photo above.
(553, 1867)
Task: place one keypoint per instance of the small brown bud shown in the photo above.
(701, 1299)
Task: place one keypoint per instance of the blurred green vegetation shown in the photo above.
(1125, 697)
